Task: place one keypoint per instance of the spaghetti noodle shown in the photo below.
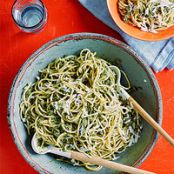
(75, 105)
(148, 15)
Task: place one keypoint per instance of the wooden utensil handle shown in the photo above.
(109, 164)
(151, 121)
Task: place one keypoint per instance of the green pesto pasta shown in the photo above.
(74, 104)
(148, 15)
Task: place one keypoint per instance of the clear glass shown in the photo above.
(29, 15)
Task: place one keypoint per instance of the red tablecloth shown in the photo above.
(64, 17)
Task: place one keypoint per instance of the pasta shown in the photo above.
(148, 15)
(75, 105)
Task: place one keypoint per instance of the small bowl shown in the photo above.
(134, 31)
(147, 93)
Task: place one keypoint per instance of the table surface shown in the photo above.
(65, 17)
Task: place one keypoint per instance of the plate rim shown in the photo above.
(139, 37)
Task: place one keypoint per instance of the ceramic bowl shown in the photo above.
(146, 92)
(134, 31)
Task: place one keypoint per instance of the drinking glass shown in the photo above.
(29, 15)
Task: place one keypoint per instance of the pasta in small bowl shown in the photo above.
(149, 20)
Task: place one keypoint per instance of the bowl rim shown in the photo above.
(81, 36)
(141, 35)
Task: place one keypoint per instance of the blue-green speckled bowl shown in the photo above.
(146, 92)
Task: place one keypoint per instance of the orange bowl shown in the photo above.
(134, 31)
